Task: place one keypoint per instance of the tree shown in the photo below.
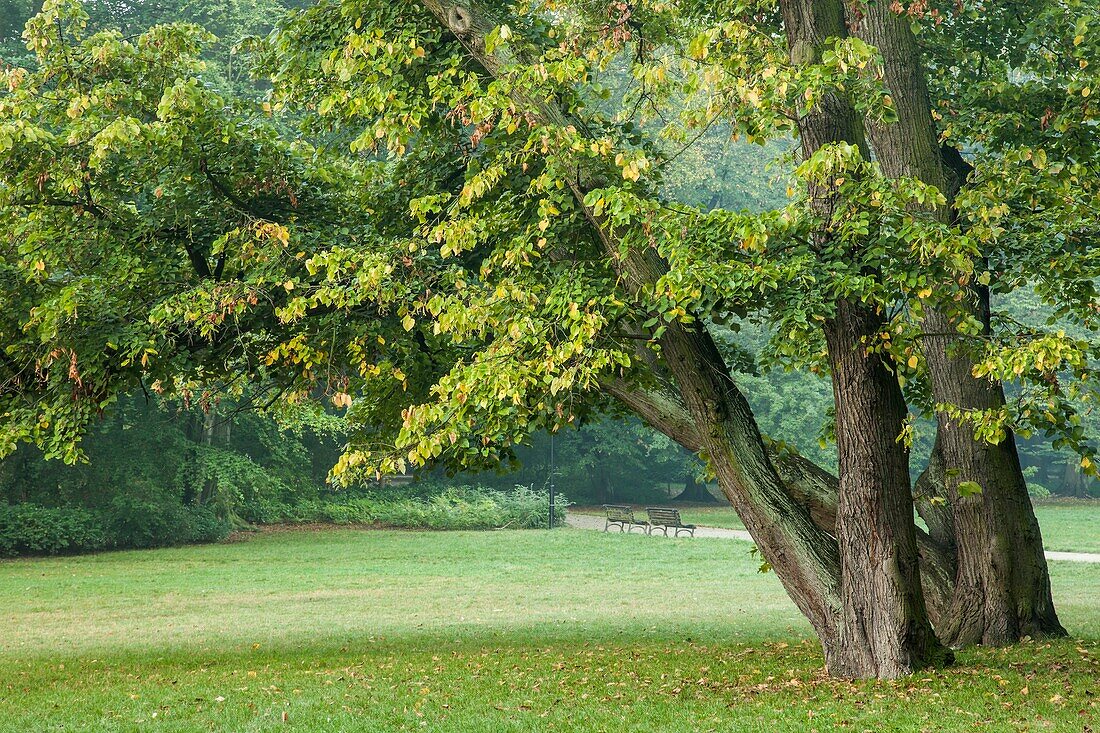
(516, 267)
(614, 459)
(247, 463)
(830, 17)
(1002, 587)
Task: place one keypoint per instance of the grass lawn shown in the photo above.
(1070, 525)
(568, 630)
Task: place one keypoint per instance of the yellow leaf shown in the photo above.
(408, 322)
(913, 361)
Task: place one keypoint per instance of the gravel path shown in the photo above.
(592, 521)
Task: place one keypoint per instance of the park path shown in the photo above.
(593, 521)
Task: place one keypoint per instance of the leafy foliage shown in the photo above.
(27, 529)
(422, 255)
(452, 508)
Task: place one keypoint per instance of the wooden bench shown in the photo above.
(622, 517)
(664, 519)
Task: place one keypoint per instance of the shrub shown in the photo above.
(204, 525)
(1037, 490)
(463, 507)
(142, 521)
(263, 510)
(29, 529)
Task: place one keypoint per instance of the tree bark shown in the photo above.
(1002, 585)
(885, 630)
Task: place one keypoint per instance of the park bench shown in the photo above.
(621, 517)
(664, 519)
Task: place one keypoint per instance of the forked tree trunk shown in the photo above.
(1002, 585)
(885, 631)
(804, 556)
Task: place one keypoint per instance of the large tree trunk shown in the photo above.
(1002, 586)
(885, 630)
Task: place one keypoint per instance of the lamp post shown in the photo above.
(551, 520)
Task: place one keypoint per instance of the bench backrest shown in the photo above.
(662, 515)
(617, 513)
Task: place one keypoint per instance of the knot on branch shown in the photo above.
(459, 19)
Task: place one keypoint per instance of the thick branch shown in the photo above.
(805, 557)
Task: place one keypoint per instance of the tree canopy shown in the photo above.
(481, 231)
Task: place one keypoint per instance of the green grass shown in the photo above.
(717, 516)
(495, 631)
(1070, 525)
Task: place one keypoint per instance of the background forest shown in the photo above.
(174, 471)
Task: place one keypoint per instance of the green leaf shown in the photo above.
(969, 488)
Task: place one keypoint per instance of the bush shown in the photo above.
(205, 526)
(29, 529)
(462, 507)
(1037, 490)
(262, 510)
(141, 521)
